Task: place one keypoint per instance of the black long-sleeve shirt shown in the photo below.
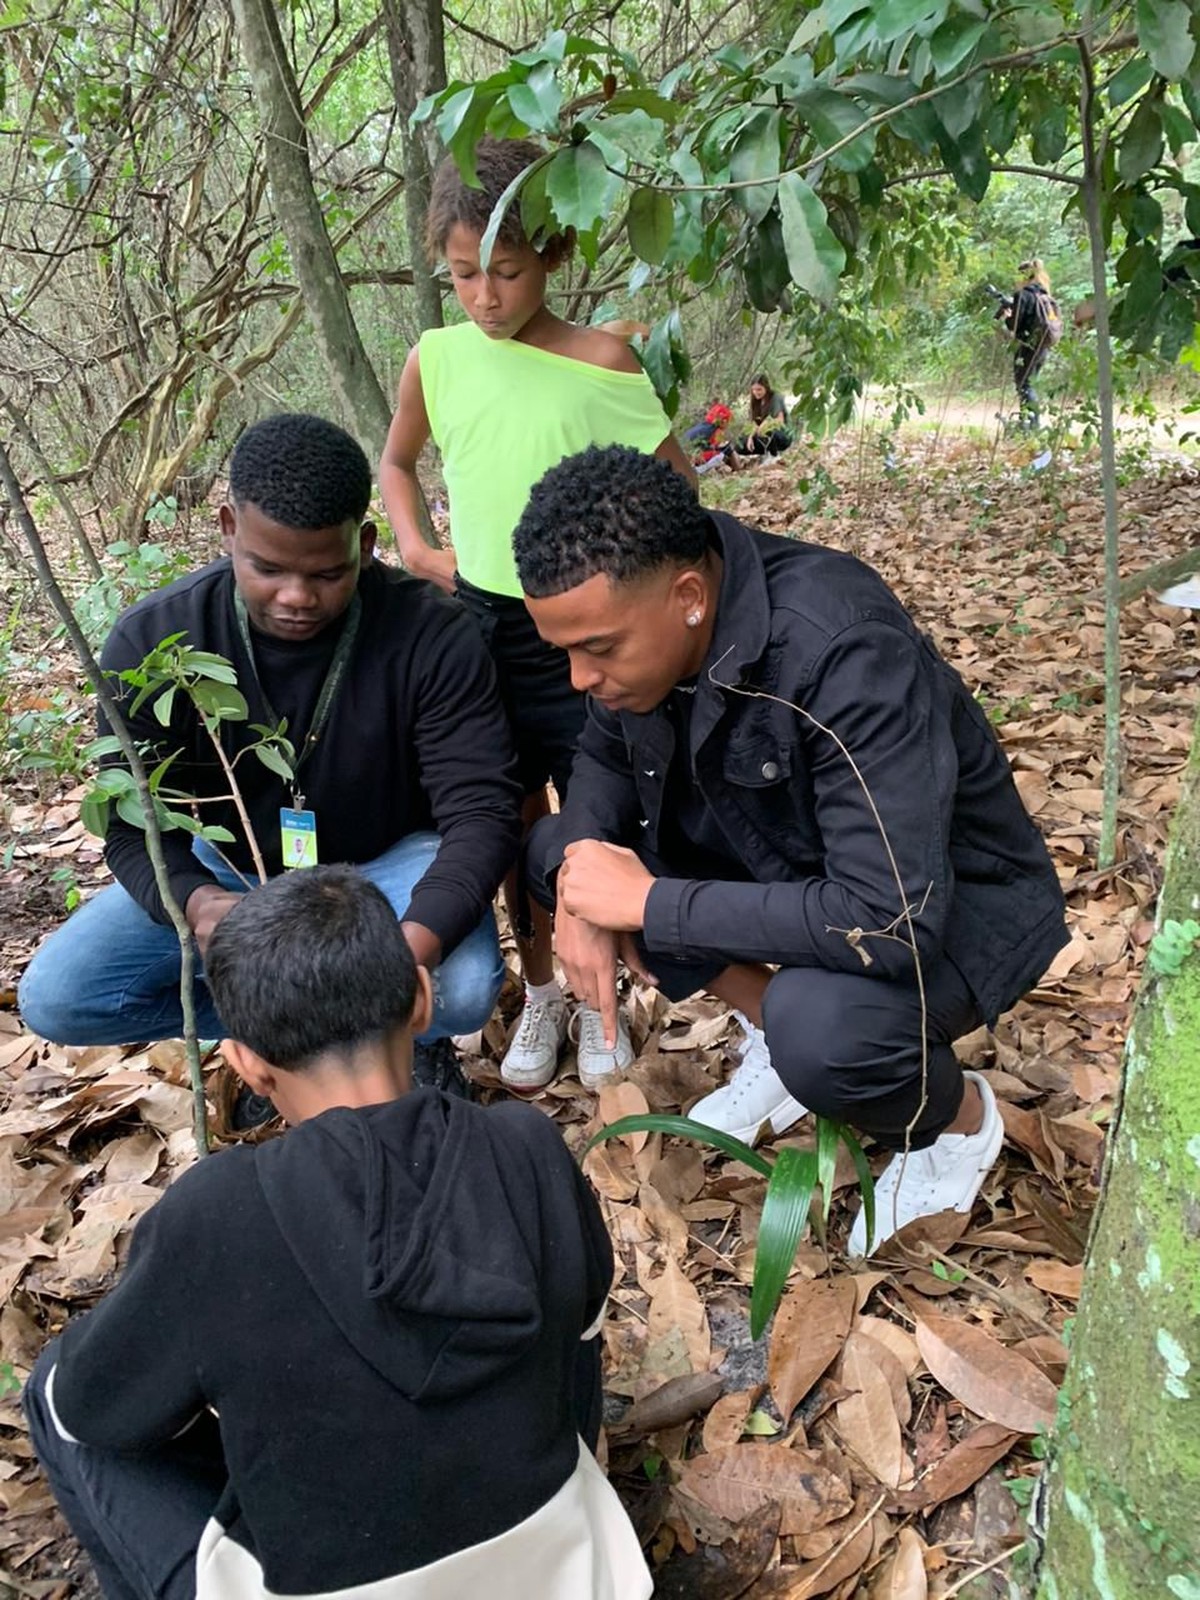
(416, 739)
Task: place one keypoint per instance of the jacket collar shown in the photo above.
(743, 622)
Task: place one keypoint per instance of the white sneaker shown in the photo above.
(753, 1096)
(531, 1060)
(945, 1177)
(596, 1062)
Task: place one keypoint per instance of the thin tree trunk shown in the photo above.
(67, 506)
(355, 385)
(1123, 1498)
(108, 704)
(1092, 181)
(417, 54)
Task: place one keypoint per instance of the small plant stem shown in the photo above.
(213, 731)
(112, 712)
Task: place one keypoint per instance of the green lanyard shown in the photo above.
(329, 689)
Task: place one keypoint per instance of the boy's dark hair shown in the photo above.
(452, 200)
(611, 510)
(302, 471)
(311, 961)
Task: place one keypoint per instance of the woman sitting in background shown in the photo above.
(769, 433)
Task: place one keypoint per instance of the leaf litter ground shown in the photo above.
(866, 1444)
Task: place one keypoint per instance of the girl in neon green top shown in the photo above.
(505, 396)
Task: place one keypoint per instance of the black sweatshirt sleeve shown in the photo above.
(872, 689)
(124, 843)
(126, 1378)
(468, 771)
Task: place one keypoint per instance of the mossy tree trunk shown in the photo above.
(1123, 1492)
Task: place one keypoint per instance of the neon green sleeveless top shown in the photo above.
(503, 413)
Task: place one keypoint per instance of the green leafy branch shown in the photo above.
(793, 1178)
(209, 681)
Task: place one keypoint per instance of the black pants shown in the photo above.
(544, 710)
(140, 1514)
(1028, 361)
(846, 1045)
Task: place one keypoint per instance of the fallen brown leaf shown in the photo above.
(866, 1418)
(738, 1480)
(989, 1379)
(809, 1330)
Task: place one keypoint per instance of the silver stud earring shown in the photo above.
(694, 620)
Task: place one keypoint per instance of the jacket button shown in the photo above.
(770, 770)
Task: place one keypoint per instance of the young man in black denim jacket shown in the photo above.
(782, 792)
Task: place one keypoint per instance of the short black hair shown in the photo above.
(452, 200)
(301, 471)
(611, 510)
(312, 961)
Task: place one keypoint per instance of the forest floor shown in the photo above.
(882, 1438)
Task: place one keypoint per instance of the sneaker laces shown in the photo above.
(534, 1013)
(754, 1060)
(587, 1030)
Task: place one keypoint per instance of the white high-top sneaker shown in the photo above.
(755, 1094)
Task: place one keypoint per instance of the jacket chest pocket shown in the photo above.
(766, 785)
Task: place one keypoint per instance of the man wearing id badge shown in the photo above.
(402, 766)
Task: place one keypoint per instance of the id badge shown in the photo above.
(298, 834)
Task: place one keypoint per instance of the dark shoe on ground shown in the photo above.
(250, 1110)
(436, 1066)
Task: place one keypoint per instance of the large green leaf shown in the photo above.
(500, 210)
(784, 1218)
(764, 265)
(683, 1128)
(579, 185)
(650, 224)
(832, 117)
(538, 99)
(666, 360)
(1142, 146)
(953, 41)
(755, 154)
(815, 258)
(1129, 80)
(1164, 33)
(894, 18)
(967, 161)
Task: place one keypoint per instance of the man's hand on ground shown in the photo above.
(589, 958)
(605, 884)
(205, 908)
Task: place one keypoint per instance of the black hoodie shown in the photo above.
(385, 1308)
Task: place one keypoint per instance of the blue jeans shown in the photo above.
(110, 975)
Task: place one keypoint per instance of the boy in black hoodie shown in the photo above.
(349, 1357)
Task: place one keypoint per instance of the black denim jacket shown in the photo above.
(881, 737)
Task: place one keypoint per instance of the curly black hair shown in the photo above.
(452, 200)
(611, 510)
(301, 471)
